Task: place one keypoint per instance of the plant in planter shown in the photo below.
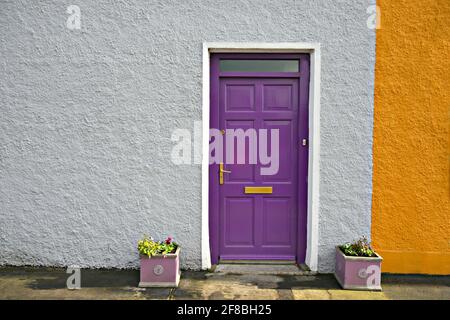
(160, 262)
(358, 266)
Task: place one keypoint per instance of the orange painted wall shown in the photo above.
(411, 207)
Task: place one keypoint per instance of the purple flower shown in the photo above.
(168, 240)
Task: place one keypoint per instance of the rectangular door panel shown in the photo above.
(239, 222)
(287, 154)
(278, 221)
(239, 97)
(239, 172)
(278, 97)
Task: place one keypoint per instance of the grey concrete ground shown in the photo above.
(50, 283)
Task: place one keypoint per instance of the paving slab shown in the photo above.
(311, 294)
(416, 287)
(224, 287)
(50, 283)
(356, 295)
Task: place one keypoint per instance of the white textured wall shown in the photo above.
(87, 115)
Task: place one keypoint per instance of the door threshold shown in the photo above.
(257, 262)
(290, 269)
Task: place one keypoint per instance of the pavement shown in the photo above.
(50, 283)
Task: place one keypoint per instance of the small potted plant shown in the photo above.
(358, 266)
(160, 263)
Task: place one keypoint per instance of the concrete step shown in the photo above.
(262, 269)
(265, 262)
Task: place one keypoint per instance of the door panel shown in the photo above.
(287, 152)
(239, 173)
(278, 97)
(240, 97)
(239, 216)
(277, 222)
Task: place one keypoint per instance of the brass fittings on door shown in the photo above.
(221, 172)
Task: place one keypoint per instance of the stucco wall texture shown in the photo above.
(87, 116)
(411, 221)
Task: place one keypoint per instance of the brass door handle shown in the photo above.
(221, 172)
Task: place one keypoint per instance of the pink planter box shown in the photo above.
(160, 270)
(358, 273)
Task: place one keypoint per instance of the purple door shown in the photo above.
(257, 213)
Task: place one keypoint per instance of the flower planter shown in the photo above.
(358, 273)
(160, 270)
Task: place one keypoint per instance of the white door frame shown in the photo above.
(314, 136)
